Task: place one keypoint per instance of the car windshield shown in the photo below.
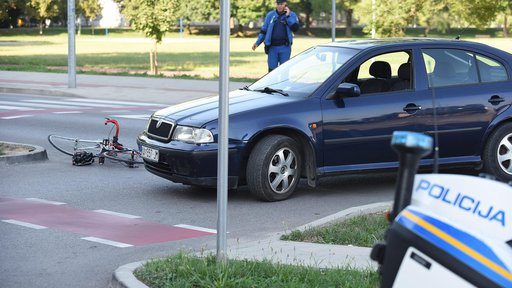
(305, 72)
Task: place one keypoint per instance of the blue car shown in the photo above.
(333, 108)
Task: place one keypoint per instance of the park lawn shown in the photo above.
(126, 51)
(196, 56)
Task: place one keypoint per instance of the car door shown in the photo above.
(470, 90)
(357, 130)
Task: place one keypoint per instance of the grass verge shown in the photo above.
(363, 231)
(184, 270)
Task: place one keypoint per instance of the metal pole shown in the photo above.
(222, 163)
(333, 20)
(71, 45)
(181, 28)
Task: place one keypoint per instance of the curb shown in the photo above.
(123, 276)
(37, 153)
(44, 92)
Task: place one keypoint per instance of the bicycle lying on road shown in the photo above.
(84, 151)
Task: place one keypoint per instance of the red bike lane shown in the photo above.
(116, 230)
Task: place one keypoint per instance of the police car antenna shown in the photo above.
(434, 112)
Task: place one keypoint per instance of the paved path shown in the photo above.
(123, 88)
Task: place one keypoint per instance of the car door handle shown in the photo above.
(495, 100)
(411, 108)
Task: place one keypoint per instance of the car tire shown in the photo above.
(498, 153)
(274, 168)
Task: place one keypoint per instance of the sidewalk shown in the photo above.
(173, 91)
(284, 252)
(122, 88)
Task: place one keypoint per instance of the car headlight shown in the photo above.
(192, 135)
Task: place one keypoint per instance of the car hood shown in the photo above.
(201, 111)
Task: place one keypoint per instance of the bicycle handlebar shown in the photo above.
(113, 121)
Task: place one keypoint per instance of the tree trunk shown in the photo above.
(308, 23)
(240, 30)
(155, 61)
(79, 24)
(151, 63)
(348, 29)
(505, 26)
(41, 27)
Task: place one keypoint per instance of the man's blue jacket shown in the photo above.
(292, 25)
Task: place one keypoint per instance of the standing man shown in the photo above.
(276, 34)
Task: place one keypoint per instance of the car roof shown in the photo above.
(362, 44)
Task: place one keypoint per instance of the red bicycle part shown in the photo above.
(116, 144)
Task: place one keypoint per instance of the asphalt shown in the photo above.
(173, 91)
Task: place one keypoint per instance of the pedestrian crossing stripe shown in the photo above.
(30, 107)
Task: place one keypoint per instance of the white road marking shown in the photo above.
(107, 242)
(46, 201)
(196, 228)
(117, 214)
(15, 117)
(140, 116)
(10, 107)
(19, 103)
(91, 104)
(25, 224)
(68, 112)
(116, 111)
(117, 102)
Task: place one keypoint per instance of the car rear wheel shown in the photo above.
(498, 153)
(274, 168)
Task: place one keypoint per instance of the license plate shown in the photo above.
(150, 154)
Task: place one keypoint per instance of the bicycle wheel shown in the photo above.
(69, 146)
(126, 156)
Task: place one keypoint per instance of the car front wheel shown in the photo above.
(498, 153)
(274, 168)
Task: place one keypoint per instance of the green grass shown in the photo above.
(362, 231)
(125, 51)
(184, 270)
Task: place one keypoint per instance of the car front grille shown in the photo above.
(160, 129)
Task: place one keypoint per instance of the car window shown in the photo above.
(447, 67)
(491, 70)
(384, 73)
(303, 73)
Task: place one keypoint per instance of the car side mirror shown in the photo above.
(346, 90)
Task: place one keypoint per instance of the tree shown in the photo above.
(200, 11)
(152, 17)
(435, 14)
(505, 9)
(348, 6)
(478, 13)
(10, 10)
(90, 9)
(45, 9)
(245, 11)
(391, 19)
(306, 7)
